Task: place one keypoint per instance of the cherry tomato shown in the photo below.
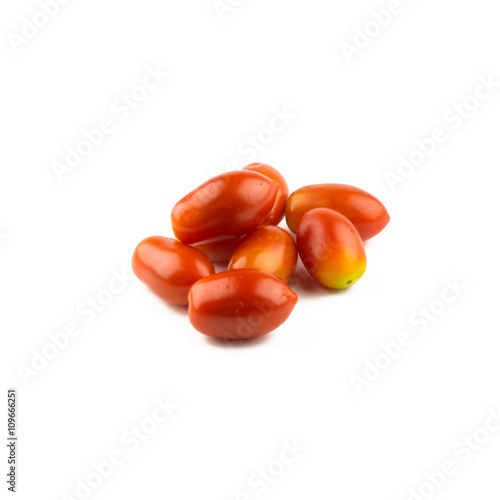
(268, 248)
(364, 210)
(230, 204)
(170, 267)
(240, 304)
(278, 211)
(330, 248)
(220, 250)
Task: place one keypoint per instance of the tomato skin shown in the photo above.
(278, 211)
(240, 304)
(365, 211)
(230, 204)
(170, 267)
(268, 248)
(220, 250)
(330, 248)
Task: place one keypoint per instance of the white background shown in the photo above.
(60, 242)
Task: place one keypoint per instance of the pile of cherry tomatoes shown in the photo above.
(233, 218)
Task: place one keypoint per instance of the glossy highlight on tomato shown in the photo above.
(230, 204)
(240, 304)
(269, 248)
(366, 212)
(169, 268)
(278, 211)
(330, 248)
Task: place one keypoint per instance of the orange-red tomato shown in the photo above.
(268, 248)
(364, 210)
(170, 267)
(278, 211)
(230, 204)
(240, 304)
(330, 248)
(220, 250)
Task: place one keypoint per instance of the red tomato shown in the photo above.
(220, 250)
(278, 211)
(268, 248)
(240, 304)
(230, 204)
(170, 267)
(364, 210)
(331, 248)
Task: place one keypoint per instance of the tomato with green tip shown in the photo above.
(365, 211)
(330, 248)
(269, 248)
(278, 211)
(169, 268)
